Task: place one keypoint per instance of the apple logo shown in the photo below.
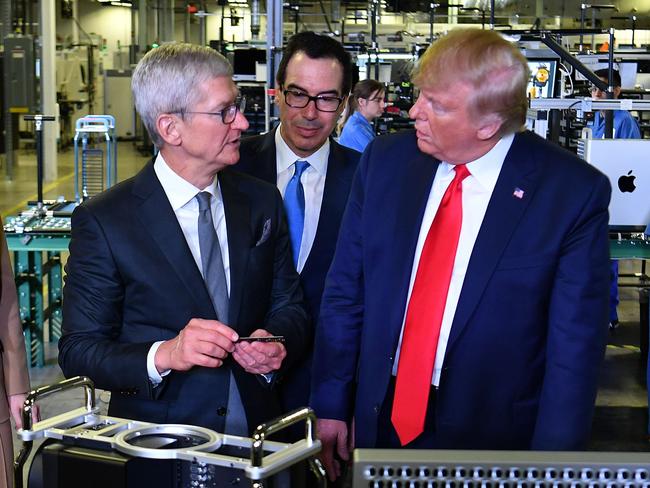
(626, 183)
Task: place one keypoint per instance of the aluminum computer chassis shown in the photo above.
(84, 426)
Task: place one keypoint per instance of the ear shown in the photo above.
(168, 126)
(488, 127)
(278, 95)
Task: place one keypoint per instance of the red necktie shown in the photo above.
(424, 314)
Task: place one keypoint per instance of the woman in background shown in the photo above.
(14, 378)
(365, 104)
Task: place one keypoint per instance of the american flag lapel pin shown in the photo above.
(518, 193)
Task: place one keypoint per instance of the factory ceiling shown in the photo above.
(620, 14)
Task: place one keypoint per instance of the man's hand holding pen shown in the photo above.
(201, 343)
(208, 342)
(261, 353)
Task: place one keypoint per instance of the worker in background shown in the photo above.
(365, 105)
(466, 305)
(14, 376)
(625, 127)
(312, 171)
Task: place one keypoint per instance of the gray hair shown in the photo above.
(166, 80)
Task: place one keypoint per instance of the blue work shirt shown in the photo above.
(625, 126)
(357, 132)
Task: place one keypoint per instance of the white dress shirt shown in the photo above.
(181, 195)
(313, 183)
(477, 191)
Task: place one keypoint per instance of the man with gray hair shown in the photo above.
(175, 274)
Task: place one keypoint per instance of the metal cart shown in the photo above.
(95, 155)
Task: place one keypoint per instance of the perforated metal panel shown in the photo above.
(376, 468)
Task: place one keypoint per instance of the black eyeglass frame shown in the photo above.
(310, 98)
(228, 111)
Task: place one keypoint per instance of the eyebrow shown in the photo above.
(326, 92)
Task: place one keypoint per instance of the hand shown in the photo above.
(333, 434)
(16, 408)
(259, 357)
(201, 343)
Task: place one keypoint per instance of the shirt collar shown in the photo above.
(178, 190)
(486, 169)
(360, 118)
(285, 157)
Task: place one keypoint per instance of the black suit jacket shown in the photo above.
(131, 280)
(257, 158)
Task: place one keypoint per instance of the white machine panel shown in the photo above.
(626, 162)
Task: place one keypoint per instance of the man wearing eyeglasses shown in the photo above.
(171, 269)
(313, 81)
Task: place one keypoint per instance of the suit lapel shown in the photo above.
(158, 219)
(502, 217)
(238, 223)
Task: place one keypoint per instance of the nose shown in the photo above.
(310, 112)
(415, 110)
(240, 122)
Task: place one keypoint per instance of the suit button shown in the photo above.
(375, 409)
(221, 411)
(390, 358)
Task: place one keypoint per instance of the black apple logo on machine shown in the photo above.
(626, 183)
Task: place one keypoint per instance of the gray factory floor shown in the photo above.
(621, 419)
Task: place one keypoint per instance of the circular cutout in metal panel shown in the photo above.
(166, 441)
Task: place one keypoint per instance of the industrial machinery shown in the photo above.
(379, 468)
(120, 452)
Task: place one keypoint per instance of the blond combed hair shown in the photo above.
(492, 66)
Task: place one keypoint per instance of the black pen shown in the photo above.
(261, 339)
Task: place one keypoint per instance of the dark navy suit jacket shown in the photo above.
(257, 158)
(529, 333)
(131, 280)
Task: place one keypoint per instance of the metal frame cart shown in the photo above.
(82, 437)
(95, 155)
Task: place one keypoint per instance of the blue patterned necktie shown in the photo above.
(294, 203)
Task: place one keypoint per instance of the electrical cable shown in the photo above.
(568, 71)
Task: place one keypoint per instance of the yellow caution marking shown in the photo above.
(625, 346)
(46, 188)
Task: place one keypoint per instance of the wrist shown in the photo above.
(162, 358)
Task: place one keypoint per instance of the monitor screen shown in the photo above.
(243, 60)
(541, 83)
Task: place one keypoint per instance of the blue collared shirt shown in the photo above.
(357, 132)
(625, 126)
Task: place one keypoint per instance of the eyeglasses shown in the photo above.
(324, 103)
(228, 113)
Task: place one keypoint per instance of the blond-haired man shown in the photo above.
(466, 306)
